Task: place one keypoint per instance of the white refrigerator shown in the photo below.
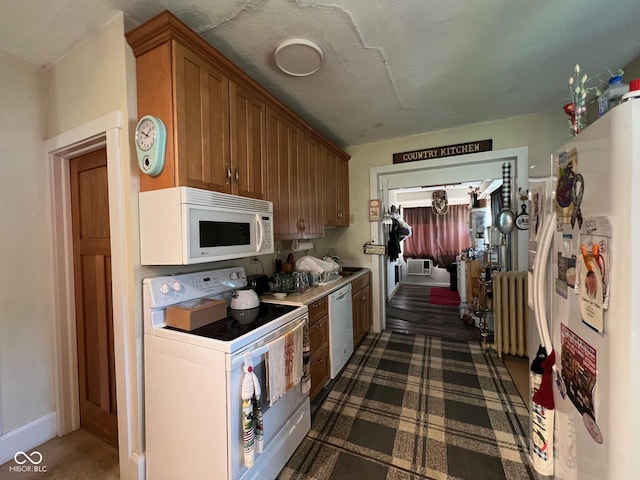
(584, 267)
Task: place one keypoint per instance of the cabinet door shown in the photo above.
(362, 311)
(282, 181)
(330, 189)
(202, 123)
(319, 335)
(319, 370)
(342, 185)
(310, 182)
(357, 321)
(247, 132)
(317, 202)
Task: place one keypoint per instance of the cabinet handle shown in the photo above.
(228, 175)
(364, 298)
(319, 361)
(237, 175)
(319, 325)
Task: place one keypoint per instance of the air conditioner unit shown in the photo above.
(418, 266)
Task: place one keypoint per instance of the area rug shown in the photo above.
(444, 296)
(417, 407)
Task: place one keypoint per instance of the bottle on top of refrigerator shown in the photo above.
(612, 95)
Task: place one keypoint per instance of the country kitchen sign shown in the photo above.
(444, 151)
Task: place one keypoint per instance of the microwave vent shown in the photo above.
(196, 196)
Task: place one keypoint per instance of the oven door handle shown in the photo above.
(262, 346)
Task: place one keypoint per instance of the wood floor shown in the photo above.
(409, 311)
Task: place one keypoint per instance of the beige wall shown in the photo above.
(89, 81)
(26, 383)
(541, 133)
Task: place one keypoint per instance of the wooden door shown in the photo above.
(94, 315)
(202, 113)
(247, 131)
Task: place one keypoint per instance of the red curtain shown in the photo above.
(438, 237)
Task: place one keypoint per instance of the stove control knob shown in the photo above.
(164, 289)
(233, 276)
(176, 286)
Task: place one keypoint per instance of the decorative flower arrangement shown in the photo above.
(577, 109)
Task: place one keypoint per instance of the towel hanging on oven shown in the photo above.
(252, 426)
(284, 363)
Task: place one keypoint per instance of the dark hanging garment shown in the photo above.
(393, 247)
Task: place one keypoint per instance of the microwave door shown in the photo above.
(221, 235)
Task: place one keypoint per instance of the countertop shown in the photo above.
(314, 293)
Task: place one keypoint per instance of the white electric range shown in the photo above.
(193, 383)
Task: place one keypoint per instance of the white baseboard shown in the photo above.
(26, 437)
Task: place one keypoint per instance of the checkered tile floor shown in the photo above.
(416, 407)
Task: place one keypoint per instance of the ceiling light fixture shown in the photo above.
(299, 57)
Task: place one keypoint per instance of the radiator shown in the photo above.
(510, 311)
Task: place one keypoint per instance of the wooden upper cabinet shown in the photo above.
(215, 125)
(202, 123)
(225, 132)
(282, 174)
(314, 217)
(248, 144)
(293, 164)
(337, 191)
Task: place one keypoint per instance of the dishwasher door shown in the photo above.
(340, 329)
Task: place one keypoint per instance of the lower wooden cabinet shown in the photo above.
(361, 306)
(319, 368)
(319, 364)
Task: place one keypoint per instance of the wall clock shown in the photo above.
(151, 144)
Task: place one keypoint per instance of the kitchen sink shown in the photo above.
(348, 271)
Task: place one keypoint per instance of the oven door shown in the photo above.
(283, 413)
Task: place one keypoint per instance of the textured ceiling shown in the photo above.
(392, 68)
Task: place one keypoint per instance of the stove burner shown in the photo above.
(229, 330)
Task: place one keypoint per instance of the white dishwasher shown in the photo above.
(340, 329)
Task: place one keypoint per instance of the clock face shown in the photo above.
(146, 134)
(151, 144)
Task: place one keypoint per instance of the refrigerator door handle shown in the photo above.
(540, 272)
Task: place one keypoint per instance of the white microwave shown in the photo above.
(184, 226)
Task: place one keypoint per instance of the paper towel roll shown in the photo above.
(297, 246)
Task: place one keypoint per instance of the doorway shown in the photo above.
(443, 171)
(93, 298)
(102, 132)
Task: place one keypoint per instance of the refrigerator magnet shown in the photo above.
(591, 294)
(522, 220)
